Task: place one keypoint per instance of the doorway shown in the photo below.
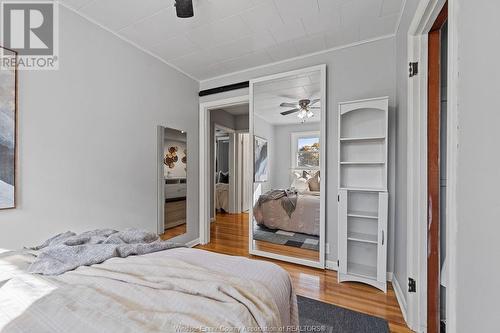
(436, 173)
(231, 115)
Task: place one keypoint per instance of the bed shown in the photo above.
(305, 218)
(173, 290)
(222, 196)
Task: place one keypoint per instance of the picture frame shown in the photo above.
(8, 131)
(261, 160)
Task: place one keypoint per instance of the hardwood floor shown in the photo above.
(229, 235)
(173, 232)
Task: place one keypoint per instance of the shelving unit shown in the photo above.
(363, 197)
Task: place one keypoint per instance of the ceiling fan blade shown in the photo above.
(314, 101)
(284, 113)
(289, 105)
(315, 107)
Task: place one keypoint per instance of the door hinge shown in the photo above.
(413, 69)
(412, 285)
(338, 264)
(338, 197)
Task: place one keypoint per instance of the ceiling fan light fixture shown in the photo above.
(184, 8)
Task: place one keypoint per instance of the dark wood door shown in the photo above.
(433, 173)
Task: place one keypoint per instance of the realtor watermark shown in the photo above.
(31, 29)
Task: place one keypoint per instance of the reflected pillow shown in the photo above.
(224, 177)
(299, 182)
(314, 183)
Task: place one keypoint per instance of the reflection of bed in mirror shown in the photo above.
(303, 219)
(222, 197)
(291, 216)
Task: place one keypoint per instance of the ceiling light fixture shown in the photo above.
(184, 8)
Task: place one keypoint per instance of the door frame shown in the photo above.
(433, 172)
(239, 175)
(426, 14)
(204, 159)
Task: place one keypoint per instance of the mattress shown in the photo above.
(271, 277)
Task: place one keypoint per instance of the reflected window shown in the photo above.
(306, 150)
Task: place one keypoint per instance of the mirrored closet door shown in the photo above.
(288, 126)
(173, 178)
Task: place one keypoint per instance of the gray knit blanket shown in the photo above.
(67, 251)
(288, 200)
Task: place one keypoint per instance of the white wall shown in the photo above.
(282, 157)
(477, 198)
(356, 72)
(400, 250)
(87, 138)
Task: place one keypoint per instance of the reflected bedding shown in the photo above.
(304, 218)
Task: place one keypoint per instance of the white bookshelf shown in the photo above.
(363, 197)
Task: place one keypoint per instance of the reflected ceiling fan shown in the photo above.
(303, 107)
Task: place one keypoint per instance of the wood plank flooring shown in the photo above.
(229, 235)
(174, 232)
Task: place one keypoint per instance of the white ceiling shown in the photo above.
(237, 110)
(268, 95)
(226, 36)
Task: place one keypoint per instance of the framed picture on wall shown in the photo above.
(8, 144)
(261, 161)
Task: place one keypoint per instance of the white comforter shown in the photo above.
(160, 292)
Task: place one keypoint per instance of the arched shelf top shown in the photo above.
(363, 109)
(364, 118)
(380, 103)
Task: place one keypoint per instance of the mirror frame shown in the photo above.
(323, 153)
(160, 176)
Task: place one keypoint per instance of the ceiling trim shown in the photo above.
(366, 41)
(127, 40)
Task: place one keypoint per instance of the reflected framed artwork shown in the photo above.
(261, 162)
(8, 131)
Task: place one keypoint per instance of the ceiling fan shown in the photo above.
(303, 106)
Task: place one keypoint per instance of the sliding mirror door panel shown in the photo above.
(173, 179)
(287, 130)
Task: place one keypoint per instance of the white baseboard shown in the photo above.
(212, 219)
(331, 265)
(400, 297)
(193, 243)
(390, 276)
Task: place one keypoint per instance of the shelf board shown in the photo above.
(367, 138)
(363, 238)
(365, 271)
(364, 215)
(363, 189)
(362, 163)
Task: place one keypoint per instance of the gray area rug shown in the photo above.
(288, 238)
(316, 316)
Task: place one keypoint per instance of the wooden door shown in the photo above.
(433, 173)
